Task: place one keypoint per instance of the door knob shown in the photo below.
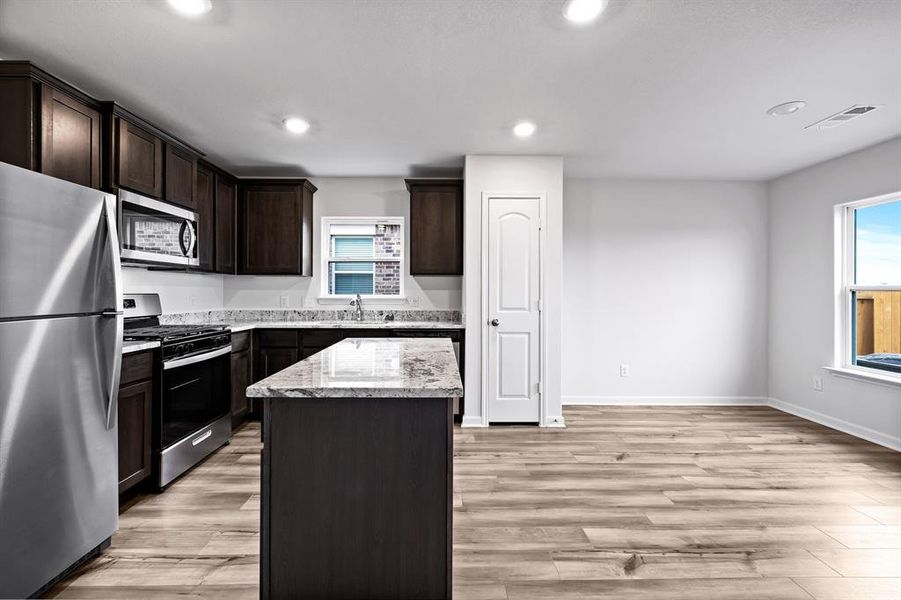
(495, 322)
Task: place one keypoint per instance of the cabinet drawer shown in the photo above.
(278, 338)
(137, 366)
(240, 341)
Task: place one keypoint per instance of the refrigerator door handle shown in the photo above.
(115, 347)
(112, 394)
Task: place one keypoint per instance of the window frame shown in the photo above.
(846, 252)
(326, 257)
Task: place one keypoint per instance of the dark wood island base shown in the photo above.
(357, 478)
(357, 498)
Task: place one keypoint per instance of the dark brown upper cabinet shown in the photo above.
(71, 138)
(145, 159)
(180, 175)
(48, 126)
(139, 160)
(436, 226)
(276, 218)
(225, 231)
(205, 202)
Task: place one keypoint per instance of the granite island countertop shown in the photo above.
(370, 368)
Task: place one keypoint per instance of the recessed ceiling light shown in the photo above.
(295, 125)
(786, 108)
(583, 11)
(192, 8)
(524, 129)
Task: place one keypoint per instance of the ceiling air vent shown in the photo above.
(843, 116)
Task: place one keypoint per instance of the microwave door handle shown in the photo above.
(181, 238)
(192, 229)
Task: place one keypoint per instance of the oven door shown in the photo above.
(151, 231)
(196, 390)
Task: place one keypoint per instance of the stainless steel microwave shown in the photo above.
(154, 232)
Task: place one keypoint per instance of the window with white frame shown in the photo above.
(872, 284)
(363, 255)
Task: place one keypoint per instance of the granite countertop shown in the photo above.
(346, 324)
(370, 368)
(138, 345)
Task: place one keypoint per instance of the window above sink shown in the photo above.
(363, 255)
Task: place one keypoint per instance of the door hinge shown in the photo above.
(540, 305)
(540, 388)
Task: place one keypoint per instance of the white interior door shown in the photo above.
(513, 310)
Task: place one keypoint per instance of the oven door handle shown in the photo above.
(190, 360)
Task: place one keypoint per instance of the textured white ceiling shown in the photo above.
(656, 88)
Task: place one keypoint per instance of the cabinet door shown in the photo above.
(436, 229)
(225, 224)
(273, 360)
(135, 405)
(70, 139)
(272, 236)
(180, 176)
(240, 380)
(309, 351)
(206, 224)
(140, 160)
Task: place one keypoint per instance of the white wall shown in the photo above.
(337, 197)
(670, 278)
(801, 288)
(531, 174)
(179, 292)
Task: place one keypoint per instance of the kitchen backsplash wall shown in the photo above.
(307, 315)
(179, 292)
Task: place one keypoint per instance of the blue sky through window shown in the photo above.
(878, 232)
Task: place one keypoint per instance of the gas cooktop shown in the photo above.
(166, 333)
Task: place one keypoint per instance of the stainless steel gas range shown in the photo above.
(192, 408)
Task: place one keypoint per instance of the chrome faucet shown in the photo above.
(358, 303)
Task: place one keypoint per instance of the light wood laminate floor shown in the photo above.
(629, 503)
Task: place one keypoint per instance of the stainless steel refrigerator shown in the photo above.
(60, 355)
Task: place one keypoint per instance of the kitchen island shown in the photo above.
(357, 471)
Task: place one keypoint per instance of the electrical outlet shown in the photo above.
(414, 300)
(283, 301)
(624, 370)
(193, 302)
(818, 383)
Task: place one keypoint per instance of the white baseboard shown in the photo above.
(472, 422)
(865, 433)
(665, 400)
(555, 421)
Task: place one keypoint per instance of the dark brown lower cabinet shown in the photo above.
(240, 380)
(273, 360)
(135, 417)
(356, 498)
(242, 375)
